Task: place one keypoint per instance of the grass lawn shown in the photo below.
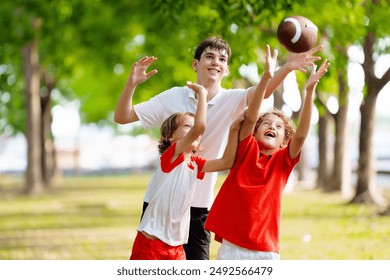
(95, 218)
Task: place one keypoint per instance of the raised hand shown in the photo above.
(270, 62)
(300, 61)
(199, 89)
(315, 75)
(138, 73)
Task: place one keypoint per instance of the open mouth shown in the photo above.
(270, 134)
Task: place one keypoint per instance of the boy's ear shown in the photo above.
(195, 65)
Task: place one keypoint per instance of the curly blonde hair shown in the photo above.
(168, 127)
(289, 127)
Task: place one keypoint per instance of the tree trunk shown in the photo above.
(342, 172)
(33, 180)
(366, 170)
(366, 191)
(48, 159)
(341, 175)
(324, 151)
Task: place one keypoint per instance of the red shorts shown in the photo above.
(150, 249)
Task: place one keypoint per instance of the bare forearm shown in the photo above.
(253, 111)
(201, 115)
(304, 122)
(124, 111)
(307, 109)
(305, 119)
(277, 80)
(231, 149)
(257, 98)
(303, 127)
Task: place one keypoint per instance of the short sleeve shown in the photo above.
(166, 164)
(200, 161)
(151, 113)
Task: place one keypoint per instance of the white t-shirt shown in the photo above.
(168, 214)
(222, 110)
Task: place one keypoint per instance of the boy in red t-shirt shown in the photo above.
(245, 215)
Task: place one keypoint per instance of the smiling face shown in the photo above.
(212, 66)
(270, 133)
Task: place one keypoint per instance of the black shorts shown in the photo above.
(198, 246)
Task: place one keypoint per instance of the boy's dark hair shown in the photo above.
(215, 43)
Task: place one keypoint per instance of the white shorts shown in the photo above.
(230, 251)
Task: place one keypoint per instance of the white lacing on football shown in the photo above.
(298, 29)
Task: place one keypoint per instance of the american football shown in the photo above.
(297, 34)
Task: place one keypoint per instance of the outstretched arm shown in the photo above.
(302, 131)
(253, 111)
(200, 120)
(296, 61)
(124, 112)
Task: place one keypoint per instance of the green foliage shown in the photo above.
(70, 34)
(82, 44)
(377, 13)
(12, 118)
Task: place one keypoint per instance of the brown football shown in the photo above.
(297, 34)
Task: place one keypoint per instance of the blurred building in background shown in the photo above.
(92, 150)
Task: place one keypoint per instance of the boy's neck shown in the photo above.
(268, 152)
(264, 150)
(212, 90)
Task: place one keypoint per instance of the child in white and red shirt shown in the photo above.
(164, 226)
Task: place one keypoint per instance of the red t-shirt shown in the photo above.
(246, 211)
